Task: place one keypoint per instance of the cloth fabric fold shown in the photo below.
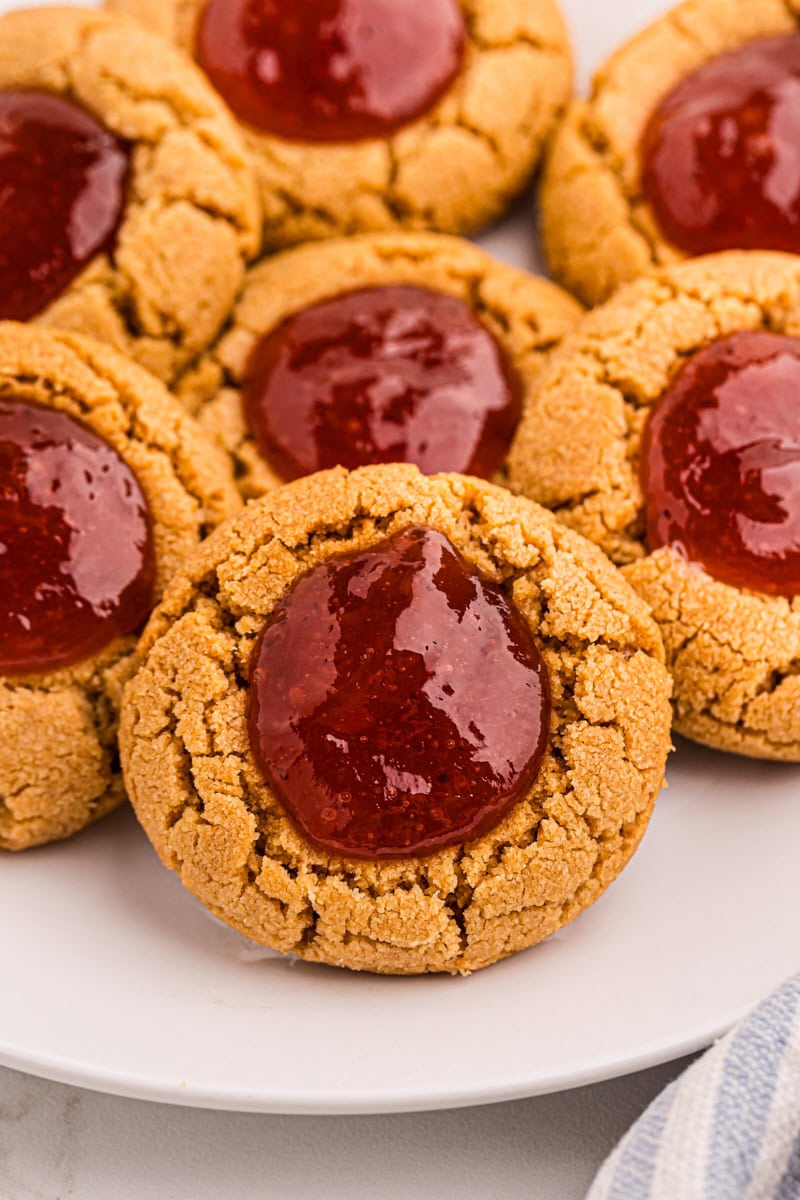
(729, 1127)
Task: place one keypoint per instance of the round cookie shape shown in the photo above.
(203, 802)
(454, 168)
(338, 71)
(598, 226)
(166, 213)
(733, 651)
(59, 766)
(518, 319)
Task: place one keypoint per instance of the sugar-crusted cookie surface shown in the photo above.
(597, 228)
(59, 766)
(454, 169)
(734, 654)
(527, 315)
(191, 775)
(191, 218)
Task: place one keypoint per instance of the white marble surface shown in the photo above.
(62, 1143)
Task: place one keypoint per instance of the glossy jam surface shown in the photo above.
(398, 701)
(721, 155)
(77, 565)
(330, 70)
(63, 180)
(721, 463)
(386, 374)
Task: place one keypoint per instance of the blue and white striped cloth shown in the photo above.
(729, 1127)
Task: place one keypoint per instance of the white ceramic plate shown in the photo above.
(114, 978)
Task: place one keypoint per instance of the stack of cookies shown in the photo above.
(373, 571)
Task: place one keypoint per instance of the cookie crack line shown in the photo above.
(537, 43)
(380, 189)
(741, 728)
(324, 897)
(634, 200)
(286, 857)
(189, 122)
(674, 18)
(723, 644)
(307, 550)
(775, 675)
(383, 184)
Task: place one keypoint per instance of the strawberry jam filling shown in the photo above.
(721, 463)
(398, 702)
(62, 192)
(721, 154)
(77, 564)
(385, 374)
(331, 70)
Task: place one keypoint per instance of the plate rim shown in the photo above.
(303, 1102)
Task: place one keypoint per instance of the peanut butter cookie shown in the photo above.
(673, 152)
(105, 485)
(666, 430)
(477, 688)
(128, 208)
(384, 347)
(376, 114)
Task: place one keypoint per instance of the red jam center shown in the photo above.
(721, 463)
(62, 192)
(387, 374)
(331, 70)
(77, 565)
(398, 702)
(721, 154)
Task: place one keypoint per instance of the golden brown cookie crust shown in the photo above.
(192, 779)
(192, 217)
(58, 755)
(735, 655)
(526, 314)
(455, 169)
(597, 229)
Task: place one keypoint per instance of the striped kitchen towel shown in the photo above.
(729, 1127)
